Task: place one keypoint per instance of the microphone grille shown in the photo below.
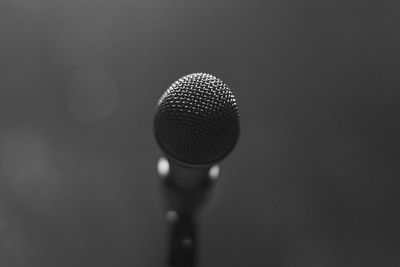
(197, 119)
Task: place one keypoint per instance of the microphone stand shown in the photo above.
(183, 242)
(183, 204)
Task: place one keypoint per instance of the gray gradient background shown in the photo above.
(313, 180)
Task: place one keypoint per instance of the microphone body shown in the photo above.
(185, 187)
(185, 190)
(196, 125)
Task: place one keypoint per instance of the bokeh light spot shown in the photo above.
(214, 172)
(163, 167)
(171, 216)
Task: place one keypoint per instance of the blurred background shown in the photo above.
(313, 181)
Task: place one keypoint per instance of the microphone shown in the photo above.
(196, 125)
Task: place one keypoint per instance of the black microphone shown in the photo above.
(196, 124)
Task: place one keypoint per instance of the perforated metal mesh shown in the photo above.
(197, 119)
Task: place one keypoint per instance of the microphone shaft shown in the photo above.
(185, 189)
(183, 242)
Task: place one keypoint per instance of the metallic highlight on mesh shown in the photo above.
(197, 120)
